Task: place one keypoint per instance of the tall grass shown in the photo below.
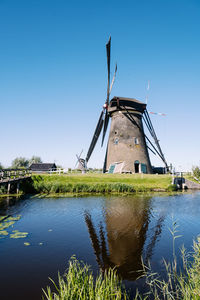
(99, 183)
(79, 283)
(184, 284)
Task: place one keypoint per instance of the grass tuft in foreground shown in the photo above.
(79, 283)
(184, 284)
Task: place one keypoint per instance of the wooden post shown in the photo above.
(8, 190)
(18, 187)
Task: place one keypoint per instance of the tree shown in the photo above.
(35, 160)
(1, 166)
(20, 162)
(196, 171)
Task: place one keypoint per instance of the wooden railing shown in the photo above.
(12, 174)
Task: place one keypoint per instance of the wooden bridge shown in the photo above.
(13, 177)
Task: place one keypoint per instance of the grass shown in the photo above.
(183, 285)
(100, 183)
(79, 283)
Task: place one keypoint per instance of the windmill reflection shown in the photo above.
(125, 241)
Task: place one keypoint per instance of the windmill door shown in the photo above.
(137, 166)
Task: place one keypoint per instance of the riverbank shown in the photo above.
(97, 184)
(87, 184)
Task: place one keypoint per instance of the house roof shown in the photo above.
(42, 166)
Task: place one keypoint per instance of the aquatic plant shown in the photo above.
(79, 283)
(184, 284)
(18, 234)
(7, 222)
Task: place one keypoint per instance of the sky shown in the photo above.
(53, 75)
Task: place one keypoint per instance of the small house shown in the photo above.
(43, 167)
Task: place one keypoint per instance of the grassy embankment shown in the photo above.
(79, 283)
(98, 183)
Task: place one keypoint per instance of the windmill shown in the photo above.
(127, 148)
(80, 162)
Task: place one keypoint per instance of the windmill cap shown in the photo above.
(128, 103)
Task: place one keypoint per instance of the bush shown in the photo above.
(172, 188)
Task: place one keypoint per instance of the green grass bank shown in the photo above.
(97, 183)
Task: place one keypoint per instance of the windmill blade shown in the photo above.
(152, 131)
(95, 136)
(108, 65)
(106, 121)
(76, 164)
(113, 80)
(80, 154)
(106, 118)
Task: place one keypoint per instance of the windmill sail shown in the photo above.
(113, 80)
(106, 121)
(108, 65)
(106, 118)
(95, 136)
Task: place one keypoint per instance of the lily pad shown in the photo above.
(5, 225)
(3, 232)
(18, 235)
(16, 218)
(2, 217)
(26, 244)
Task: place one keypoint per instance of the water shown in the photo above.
(101, 231)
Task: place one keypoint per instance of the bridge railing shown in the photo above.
(9, 174)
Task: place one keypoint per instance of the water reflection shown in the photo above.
(122, 242)
(8, 201)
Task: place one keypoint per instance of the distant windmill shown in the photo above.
(80, 162)
(127, 150)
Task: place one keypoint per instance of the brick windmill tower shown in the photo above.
(128, 145)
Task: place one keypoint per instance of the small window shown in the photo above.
(136, 141)
(116, 141)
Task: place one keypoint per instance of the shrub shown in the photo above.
(172, 188)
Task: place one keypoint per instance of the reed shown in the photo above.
(79, 283)
(184, 284)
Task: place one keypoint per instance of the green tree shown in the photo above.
(35, 159)
(196, 171)
(1, 166)
(20, 162)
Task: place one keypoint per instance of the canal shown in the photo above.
(39, 235)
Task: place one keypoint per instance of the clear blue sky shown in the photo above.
(53, 74)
